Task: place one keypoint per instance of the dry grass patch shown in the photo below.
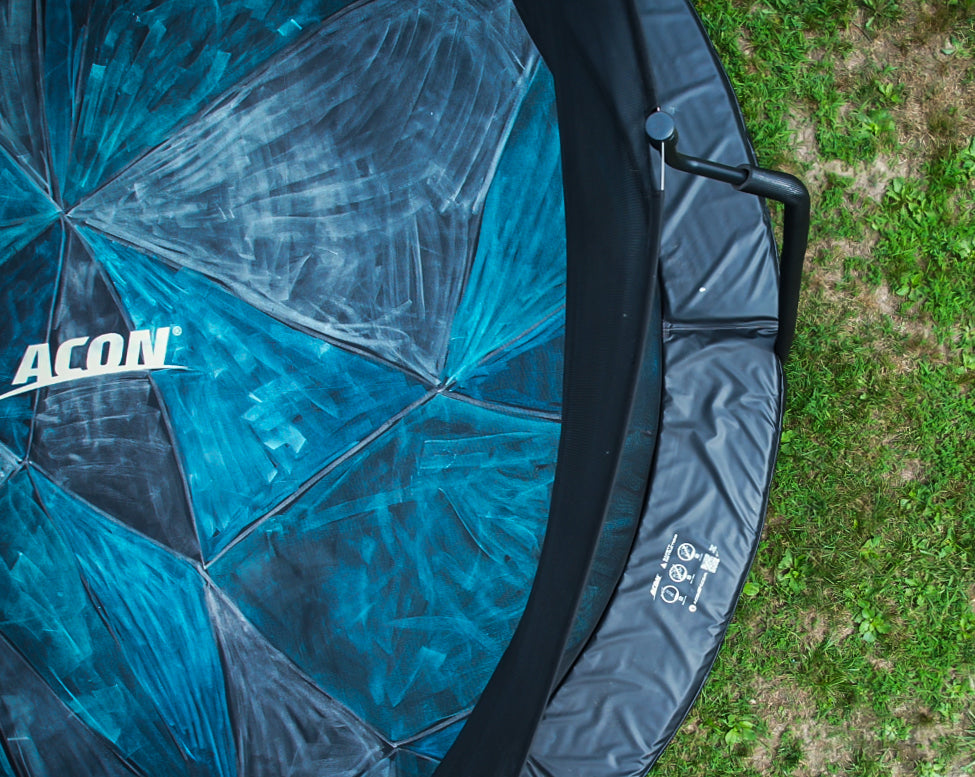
(926, 77)
(802, 743)
(789, 715)
(870, 178)
(865, 306)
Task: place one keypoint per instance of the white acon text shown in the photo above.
(84, 357)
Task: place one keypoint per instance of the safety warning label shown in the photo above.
(684, 570)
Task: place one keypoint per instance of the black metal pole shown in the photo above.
(751, 179)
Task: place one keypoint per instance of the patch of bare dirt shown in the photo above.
(815, 628)
(935, 107)
(881, 301)
(870, 179)
(866, 304)
(911, 471)
(915, 58)
(827, 748)
(926, 733)
(818, 627)
(804, 138)
(788, 711)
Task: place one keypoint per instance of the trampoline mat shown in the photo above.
(282, 369)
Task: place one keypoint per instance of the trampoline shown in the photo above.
(382, 391)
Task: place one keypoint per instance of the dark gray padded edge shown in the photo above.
(633, 685)
(718, 261)
(721, 419)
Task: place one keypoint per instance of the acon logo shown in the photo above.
(107, 354)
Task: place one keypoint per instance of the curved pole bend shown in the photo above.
(751, 179)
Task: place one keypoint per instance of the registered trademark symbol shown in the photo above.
(177, 330)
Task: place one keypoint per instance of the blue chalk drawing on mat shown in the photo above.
(43, 737)
(517, 281)
(403, 763)
(435, 745)
(142, 69)
(527, 374)
(406, 579)
(392, 436)
(22, 135)
(46, 614)
(253, 421)
(6, 770)
(279, 716)
(26, 297)
(25, 211)
(159, 618)
(9, 461)
(105, 438)
(325, 173)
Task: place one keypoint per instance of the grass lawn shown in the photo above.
(853, 650)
